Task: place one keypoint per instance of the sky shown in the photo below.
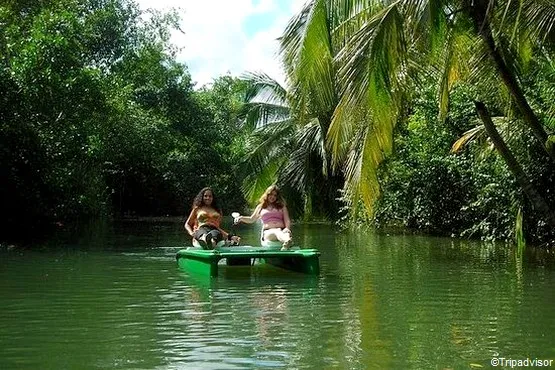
(229, 36)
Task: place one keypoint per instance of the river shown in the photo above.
(112, 297)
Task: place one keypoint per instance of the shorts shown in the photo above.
(211, 232)
(273, 228)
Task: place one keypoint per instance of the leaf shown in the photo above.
(468, 136)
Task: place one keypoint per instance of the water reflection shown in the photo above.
(382, 301)
(468, 296)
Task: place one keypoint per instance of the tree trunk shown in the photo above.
(538, 202)
(479, 14)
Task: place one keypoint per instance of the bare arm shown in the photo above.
(191, 221)
(286, 219)
(252, 218)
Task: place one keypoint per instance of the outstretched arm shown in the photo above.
(252, 218)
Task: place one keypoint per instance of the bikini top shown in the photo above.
(271, 215)
(207, 216)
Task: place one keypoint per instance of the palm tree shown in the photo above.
(310, 46)
(286, 147)
(538, 201)
(378, 48)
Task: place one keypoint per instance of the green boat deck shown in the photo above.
(208, 261)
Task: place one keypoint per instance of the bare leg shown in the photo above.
(285, 238)
(279, 235)
(212, 239)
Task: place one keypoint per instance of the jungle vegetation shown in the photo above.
(431, 115)
(98, 118)
(434, 115)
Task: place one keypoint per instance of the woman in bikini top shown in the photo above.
(272, 218)
(203, 223)
(207, 216)
(274, 215)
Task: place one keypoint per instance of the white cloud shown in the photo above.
(223, 36)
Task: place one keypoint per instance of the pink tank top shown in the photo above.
(273, 215)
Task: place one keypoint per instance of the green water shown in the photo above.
(112, 297)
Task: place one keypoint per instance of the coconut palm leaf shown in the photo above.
(372, 64)
(358, 59)
(268, 143)
(278, 136)
(294, 172)
(306, 171)
(305, 48)
(361, 180)
(262, 84)
(312, 136)
(255, 183)
(270, 151)
(266, 101)
(308, 160)
(470, 135)
(479, 133)
(454, 66)
(534, 18)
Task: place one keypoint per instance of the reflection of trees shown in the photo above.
(429, 302)
(381, 302)
(364, 335)
(256, 317)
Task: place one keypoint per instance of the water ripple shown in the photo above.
(380, 302)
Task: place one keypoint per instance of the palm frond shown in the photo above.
(344, 124)
(371, 61)
(265, 101)
(506, 127)
(428, 20)
(467, 137)
(263, 87)
(454, 66)
(292, 38)
(361, 180)
(255, 183)
(446, 81)
(347, 17)
(483, 73)
(312, 137)
(525, 24)
(259, 114)
(294, 172)
(536, 16)
(271, 144)
(305, 48)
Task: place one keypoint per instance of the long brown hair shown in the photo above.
(199, 200)
(279, 203)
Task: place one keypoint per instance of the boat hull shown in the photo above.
(208, 261)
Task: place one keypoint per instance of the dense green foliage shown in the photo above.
(471, 192)
(286, 146)
(436, 116)
(394, 86)
(429, 188)
(97, 117)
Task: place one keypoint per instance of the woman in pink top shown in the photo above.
(272, 210)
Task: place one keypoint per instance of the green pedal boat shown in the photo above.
(208, 261)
